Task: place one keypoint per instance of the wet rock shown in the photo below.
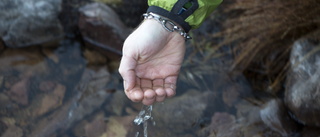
(49, 53)
(94, 57)
(231, 95)
(100, 76)
(128, 11)
(4, 100)
(13, 131)
(249, 112)
(1, 45)
(249, 121)
(175, 114)
(78, 130)
(70, 61)
(303, 90)
(51, 100)
(90, 94)
(69, 16)
(102, 29)
(117, 103)
(275, 115)
(96, 127)
(19, 92)
(3, 128)
(29, 22)
(47, 86)
(310, 132)
(110, 1)
(24, 60)
(118, 126)
(1, 82)
(224, 125)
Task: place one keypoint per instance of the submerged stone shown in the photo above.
(29, 22)
(303, 90)
(1, 45)
(19, 92)
(275, 116)
(182, 113)
(102, 29)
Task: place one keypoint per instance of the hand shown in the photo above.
(151, 62)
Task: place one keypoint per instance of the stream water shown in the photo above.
(143, 117)
(209, 102)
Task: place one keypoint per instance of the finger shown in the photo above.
(146, 83)
(149, 97)
(161, 94)
(136, 93)
(159, 90)
(127, 71)
(170, 85)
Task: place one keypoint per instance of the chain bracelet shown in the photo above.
(167, 24)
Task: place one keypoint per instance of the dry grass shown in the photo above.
(260, 35)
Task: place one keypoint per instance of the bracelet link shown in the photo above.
(167, 24)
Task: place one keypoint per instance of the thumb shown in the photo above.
(127, 71)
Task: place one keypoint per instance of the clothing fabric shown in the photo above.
(189, 14)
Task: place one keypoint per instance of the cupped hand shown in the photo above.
(151, 62)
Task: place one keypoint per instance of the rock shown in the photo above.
(102, 29)
(49, 52)
(13, 131)
(2, 46)
(302, 94)
(1, 82)
(118, 126)
(117, 103)
(231, 95)
(248, 122)
(128, 11)
(79, 129)
(69, 16)
(248, 112)
(8, 121)
(101, 78)
(109, 1)
(4, 102)
(29, 22)
(90, 94)
(23, 60)
(51, 100)
(94, 57)
(70, 61)
(181, 113)
(275, 116)
(19, 92)
(310, 132)
(3, 128)
(47, 86)
(224, 125)
(97, 127)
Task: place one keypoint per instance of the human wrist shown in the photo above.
(167, 24)
(156, 31)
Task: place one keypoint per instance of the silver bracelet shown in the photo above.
(167, 24)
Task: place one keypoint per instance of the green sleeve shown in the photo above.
(203, 9)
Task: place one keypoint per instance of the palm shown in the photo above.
(166, 63)
(151, 63)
